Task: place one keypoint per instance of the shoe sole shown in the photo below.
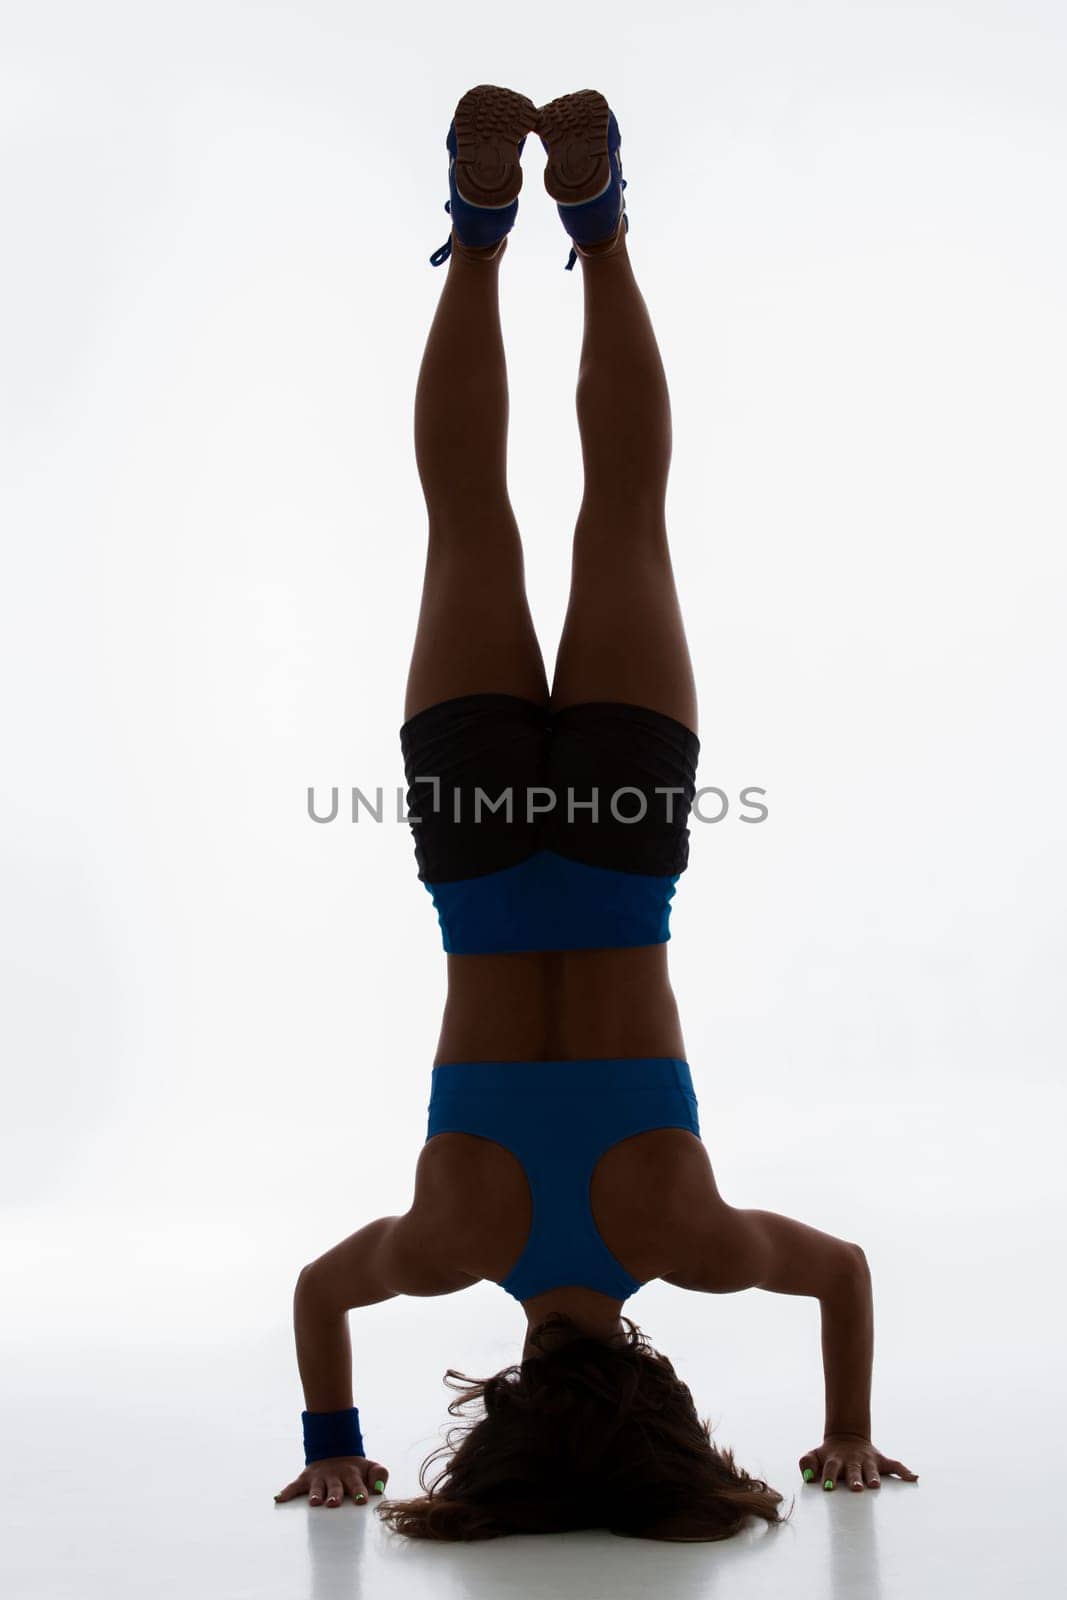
(574, 130)
(490, 122)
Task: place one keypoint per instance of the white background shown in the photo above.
(218, 1017)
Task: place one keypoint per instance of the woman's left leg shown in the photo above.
(475, 634)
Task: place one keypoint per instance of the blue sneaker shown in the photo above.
(584, 172)
(484, 145)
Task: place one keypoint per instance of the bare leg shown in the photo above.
(623, 636)
(475, 634)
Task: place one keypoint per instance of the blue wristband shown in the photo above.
(331, 1433)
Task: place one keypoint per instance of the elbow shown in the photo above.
(847, 1273)
(316, 1297)
(308, 1285)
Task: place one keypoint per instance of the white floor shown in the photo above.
(146, 1459)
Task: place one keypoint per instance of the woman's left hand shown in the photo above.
(332, 1478)
(853, 1459)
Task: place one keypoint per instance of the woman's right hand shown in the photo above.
(853, 1457)
(328, 1481)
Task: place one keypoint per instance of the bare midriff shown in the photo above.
(560, 1005)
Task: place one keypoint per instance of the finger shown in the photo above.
(316, 1490)
(889, 1465)
(831, 1469)
(335, 1489)
(853, 1473)
(871, 1474)
(291, 1490)
(376, 1475)
(809, 1466)
(356, 1487)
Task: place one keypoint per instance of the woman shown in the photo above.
(563, 1157)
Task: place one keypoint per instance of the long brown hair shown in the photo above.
(589, 1434)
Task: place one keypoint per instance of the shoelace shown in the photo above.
(445, 250)
(572, 258)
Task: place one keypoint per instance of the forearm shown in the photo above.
(848, 1352)
(323, 1351)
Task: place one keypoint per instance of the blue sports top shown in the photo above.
(549, 902)
(558, 1118)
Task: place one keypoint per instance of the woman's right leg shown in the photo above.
(623, 635)
(475, 634)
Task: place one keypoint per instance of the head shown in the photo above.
(582, 1433)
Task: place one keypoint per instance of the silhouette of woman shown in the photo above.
(563, 1157)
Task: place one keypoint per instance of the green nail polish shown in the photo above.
(379, 1485)
(808, 1474)
(829, 1483)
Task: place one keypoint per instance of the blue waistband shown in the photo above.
(558, 1118)
(549, 902)
(572, 1079)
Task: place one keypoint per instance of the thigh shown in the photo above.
(470, 761)
(623, 636)
(625, 779)
(474, 634)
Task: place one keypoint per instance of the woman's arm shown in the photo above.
(387, 1257)
(727, 1248)
(848, 1352)
(732, 1249)
(354, 1273)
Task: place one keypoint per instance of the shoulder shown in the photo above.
(658, 1208)
(430, 1247)
(456, 1171)
(473, 1198)
(699, 1241)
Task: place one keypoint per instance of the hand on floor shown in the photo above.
(847, 1456)
(331, 1479)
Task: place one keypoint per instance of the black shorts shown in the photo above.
(640, 764)
(539, 830)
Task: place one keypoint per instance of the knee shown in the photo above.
(622, 527)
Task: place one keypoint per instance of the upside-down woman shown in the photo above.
(563, 1158)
